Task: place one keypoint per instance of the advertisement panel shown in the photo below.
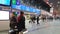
(15, 2)
(5, 2)
(4, 15)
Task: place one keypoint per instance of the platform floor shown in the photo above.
(47, 27)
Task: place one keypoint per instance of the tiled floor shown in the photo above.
(48, 27)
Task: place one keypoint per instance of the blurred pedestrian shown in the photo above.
(38, 19)
(13, 24)
(13, 21)
(43, 18)
(34, 18)
(30, 20)
(21, 22)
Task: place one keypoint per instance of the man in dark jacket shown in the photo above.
(21, 22)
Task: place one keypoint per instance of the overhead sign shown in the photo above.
(26, 8)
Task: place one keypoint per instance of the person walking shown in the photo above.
(43, 18)
(34, 18)
(21, 23)
(13, 21)
(37, 19)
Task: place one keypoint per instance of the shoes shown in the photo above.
(24, 30)
(38, 23)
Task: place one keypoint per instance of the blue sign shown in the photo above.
(26, 8)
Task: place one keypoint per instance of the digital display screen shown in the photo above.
(4, 15)
(5, 2)
(16, 2)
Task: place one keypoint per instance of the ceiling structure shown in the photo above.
(40, 4)
(55, 4)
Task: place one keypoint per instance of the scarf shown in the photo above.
(19, 17)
